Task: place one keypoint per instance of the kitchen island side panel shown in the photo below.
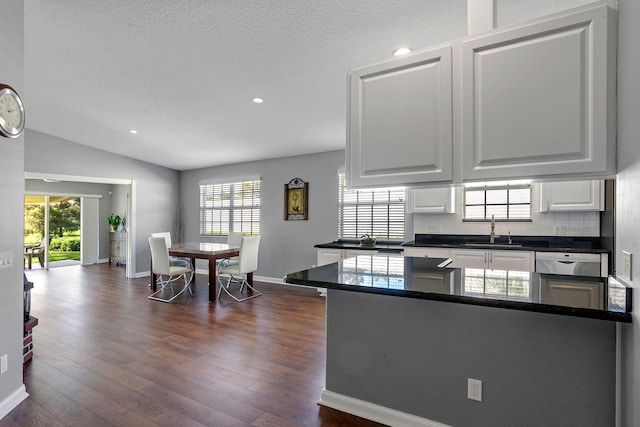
(415, 356)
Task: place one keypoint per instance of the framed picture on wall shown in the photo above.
(296, 200)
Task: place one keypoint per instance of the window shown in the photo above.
(376, 212)
(230, 207)
(505, 202)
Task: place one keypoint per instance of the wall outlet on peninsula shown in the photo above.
(474, 389)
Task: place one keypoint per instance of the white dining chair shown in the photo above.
(247, 263)
(167, 273)
(234, 238)
(177, 261)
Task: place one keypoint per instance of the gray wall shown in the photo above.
(628, 195)
(82, 188)
(286, 246)
(157, 197)
(12, 202)
(415, 356)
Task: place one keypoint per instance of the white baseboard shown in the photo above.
(143, 274)
(374, 412)
(12, 401)
(266, 279)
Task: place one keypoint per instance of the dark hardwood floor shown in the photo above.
(105, 355)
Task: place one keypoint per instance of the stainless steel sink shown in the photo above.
(494, 245)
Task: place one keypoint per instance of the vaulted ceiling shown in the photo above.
(183, 73)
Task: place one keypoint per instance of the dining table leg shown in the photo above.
(213, 285)
(154, 278)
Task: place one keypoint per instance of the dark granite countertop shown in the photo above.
(422, 278)
(380, 246)
(522, 243)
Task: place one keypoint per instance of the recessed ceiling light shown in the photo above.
(401, 51)
(50, 180)
(133, 131)
(258, 100)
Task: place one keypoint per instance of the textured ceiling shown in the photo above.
(183, 73)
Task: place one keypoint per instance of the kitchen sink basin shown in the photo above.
(494, 245)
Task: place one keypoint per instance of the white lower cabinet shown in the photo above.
(328, 256)
(117, 247)
(513, 260)
(572, 293)
(421, 252)
(441, 283)
(469, 258)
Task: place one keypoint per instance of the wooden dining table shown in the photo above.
(209, 251)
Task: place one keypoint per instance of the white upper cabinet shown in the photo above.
(572, 196)
(538, 100)
(432, 200)
(400, 121)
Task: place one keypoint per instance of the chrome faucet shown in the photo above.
(492, 239)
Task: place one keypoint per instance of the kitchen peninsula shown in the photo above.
(404, 336)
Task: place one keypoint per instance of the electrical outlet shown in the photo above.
(559, 230)
(474, 389)
(3, 364)
(626, 265)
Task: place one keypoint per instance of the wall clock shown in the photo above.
(296, 200)
(11, 112)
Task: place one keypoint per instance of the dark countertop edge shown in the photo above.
(354, 245)
(487, 302)
(505, 247)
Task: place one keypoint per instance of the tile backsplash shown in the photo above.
(585, 224)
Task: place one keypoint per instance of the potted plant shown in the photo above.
(367, 240)
(114, 221)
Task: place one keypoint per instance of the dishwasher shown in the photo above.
(568, 263)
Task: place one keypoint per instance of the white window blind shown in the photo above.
(376, 212)
(508, 202)
(230, 207)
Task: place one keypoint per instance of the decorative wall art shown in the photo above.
(296, 200)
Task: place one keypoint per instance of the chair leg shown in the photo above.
(169, 282)
(243, 282)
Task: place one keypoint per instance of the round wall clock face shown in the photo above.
(11, 112)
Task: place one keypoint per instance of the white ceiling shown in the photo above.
(183, 73)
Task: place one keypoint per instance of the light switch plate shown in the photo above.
(6, 259)
(626, 265)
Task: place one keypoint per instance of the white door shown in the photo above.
(89, 238)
